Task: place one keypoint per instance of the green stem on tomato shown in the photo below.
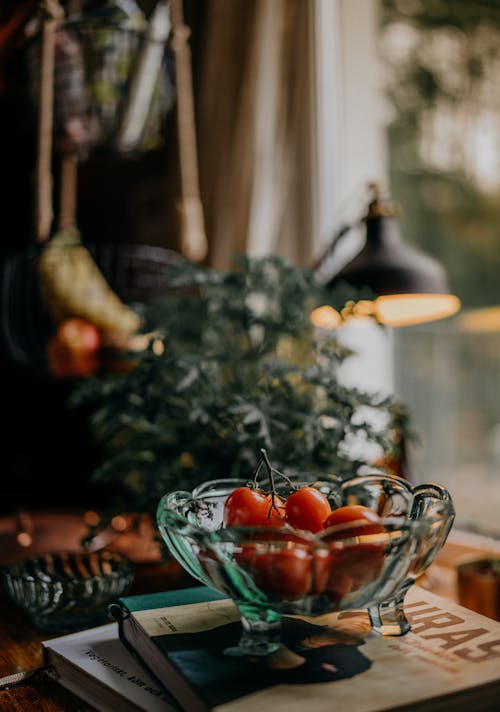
(270, 472)
(271, 469)
(253, 482)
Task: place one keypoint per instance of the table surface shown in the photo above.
(20, 642)
(20, 648)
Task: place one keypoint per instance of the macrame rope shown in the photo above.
(68, 191)
(193, 236)
(52, 13)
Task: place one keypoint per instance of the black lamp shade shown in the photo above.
(411, 287)
(388, 266)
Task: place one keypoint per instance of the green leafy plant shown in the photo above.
(237, 366)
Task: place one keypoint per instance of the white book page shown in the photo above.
(100, 653)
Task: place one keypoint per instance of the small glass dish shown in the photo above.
(66, 591)
(269, 572)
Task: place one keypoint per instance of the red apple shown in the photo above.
(79, 336)
(73, 351)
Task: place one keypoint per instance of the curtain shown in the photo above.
(253, 101)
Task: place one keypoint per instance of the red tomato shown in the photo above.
(321, 570)
(339, 582)
(354, 565)
(365, 520)
(246, 507)
(282, 575)
(307, 508)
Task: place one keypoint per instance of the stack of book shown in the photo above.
(166, 654)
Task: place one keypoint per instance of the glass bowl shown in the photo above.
(271, 571)
(66, 591)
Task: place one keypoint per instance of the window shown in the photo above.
(410, 95)
(350, 120)
(442, 63)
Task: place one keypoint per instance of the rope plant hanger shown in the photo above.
(25, 324)
(71, 284)
(193, 237)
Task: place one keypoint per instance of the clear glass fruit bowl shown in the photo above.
(269, 571)
(63, 591)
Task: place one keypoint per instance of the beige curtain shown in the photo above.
(253, 102)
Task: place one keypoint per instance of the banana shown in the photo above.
(72, 285)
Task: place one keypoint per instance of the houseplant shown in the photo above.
(235, 366)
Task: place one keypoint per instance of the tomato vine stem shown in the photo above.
(271, 471)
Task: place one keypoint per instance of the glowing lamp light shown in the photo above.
(409, 309)
(325, 317)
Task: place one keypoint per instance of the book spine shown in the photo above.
(121, 614)
(191, 701)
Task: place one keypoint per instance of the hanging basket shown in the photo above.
(134, 272)
(25, 324)
(98, 83)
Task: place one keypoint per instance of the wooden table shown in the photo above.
(20, 642)
(20, 648)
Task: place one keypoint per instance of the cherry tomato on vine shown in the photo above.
(307, 508)
(246, 507)
(249, 507)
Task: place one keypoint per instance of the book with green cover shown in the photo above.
(449, 661)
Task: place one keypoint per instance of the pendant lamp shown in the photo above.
(411, 287)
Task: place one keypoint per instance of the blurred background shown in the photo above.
(298, 106)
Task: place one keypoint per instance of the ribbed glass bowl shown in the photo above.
(270, 571)
(63, 592)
